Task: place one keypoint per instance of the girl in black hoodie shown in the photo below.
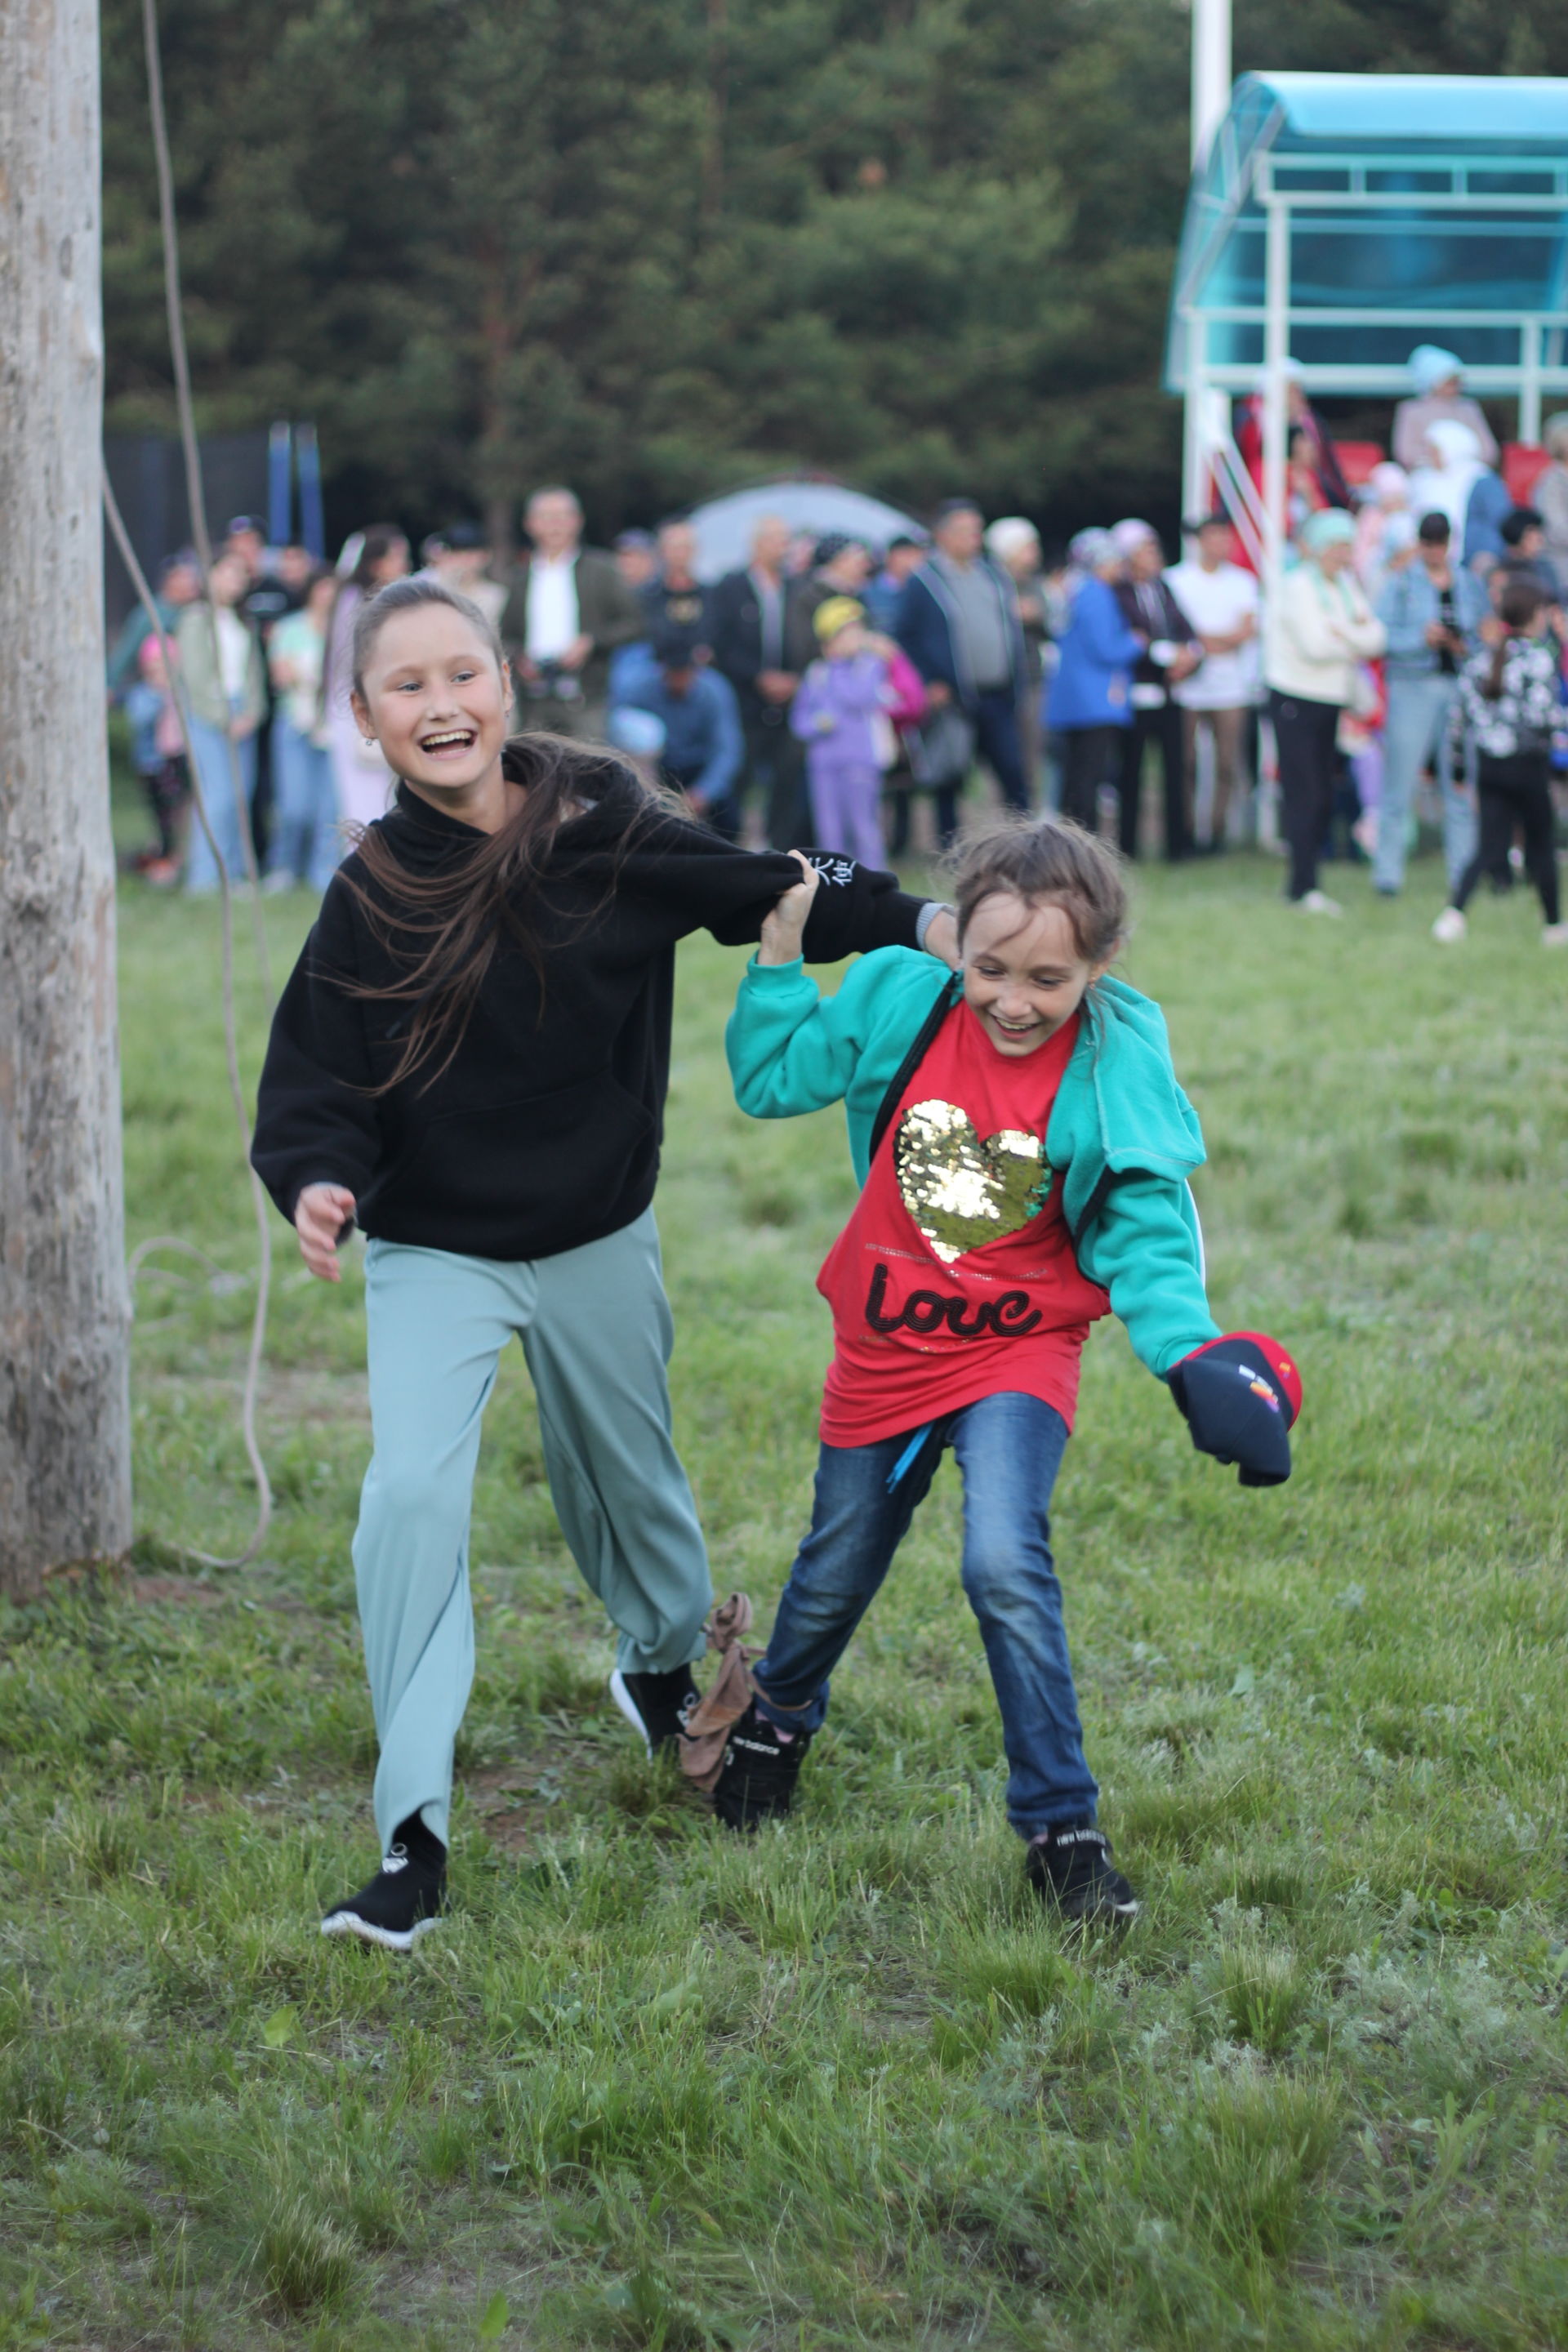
(470, 1062)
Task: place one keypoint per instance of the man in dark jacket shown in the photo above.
(1174, 651)
(567, 612)
(759, 625)
(958, 622)
(674, 598)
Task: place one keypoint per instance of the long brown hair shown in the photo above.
(443, 929)
(1517, 607)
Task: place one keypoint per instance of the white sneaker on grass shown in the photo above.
(1450, 927)
(1555, 935)
(1317, 902)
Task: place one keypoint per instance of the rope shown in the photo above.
(235, 1086)
(195, 496)
(195, 500)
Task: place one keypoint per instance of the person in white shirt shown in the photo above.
(1221, 601)
(568, 611)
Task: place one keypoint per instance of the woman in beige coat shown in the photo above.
(1321, 629)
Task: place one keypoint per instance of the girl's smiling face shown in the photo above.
(435, 699)
(1024, 972)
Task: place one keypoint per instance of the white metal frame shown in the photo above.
(1541, 367)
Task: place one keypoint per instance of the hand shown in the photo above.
(1435, 635)
(941, 938)
(938, 696)
(323, 1215)
(1186, 661)
(784, 927)
(576, 653)
(1238, 1406)
(777, 685)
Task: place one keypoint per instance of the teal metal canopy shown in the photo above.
(1366, 214)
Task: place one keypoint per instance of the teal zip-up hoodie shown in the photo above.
(1122, 1138)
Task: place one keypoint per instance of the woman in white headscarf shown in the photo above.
(1437, 379)
(1457, 482)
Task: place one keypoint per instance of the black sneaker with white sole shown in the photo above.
(405, 1898)
(655, 1706)
(760, 1770)
(1070, 1865)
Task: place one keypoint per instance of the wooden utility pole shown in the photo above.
(65, 1411)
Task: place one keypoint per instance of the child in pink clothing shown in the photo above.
(843, 714)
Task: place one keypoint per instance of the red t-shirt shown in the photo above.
(955, 1278)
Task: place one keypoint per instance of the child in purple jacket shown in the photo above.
(840, 714)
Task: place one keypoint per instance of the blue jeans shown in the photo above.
(231, 830)
(1416, 736)
(994, 718)
(1009, 1449)
(306, 841)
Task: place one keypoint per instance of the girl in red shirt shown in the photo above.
(1025, 1149)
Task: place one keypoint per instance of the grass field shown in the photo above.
(845, 2085)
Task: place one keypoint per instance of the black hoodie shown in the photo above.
(543, 1131)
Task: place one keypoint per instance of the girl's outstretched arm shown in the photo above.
(707, 883)
(791, 1049)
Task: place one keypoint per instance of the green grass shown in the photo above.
(845, 2085)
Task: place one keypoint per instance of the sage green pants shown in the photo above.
(596, 1331)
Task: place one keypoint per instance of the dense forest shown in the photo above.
(654, 247)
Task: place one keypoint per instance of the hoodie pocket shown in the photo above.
(520, 1179)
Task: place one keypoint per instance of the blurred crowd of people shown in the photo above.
(829, 689)
(1416, 650)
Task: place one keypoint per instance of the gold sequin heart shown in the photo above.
(962, 1189)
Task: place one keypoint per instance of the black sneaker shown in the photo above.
(406, 1895)
(1071, 1868)
(655, 1706)
(757, 1782)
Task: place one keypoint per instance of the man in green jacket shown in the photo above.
(567, 612)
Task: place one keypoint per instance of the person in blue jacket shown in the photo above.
(1088, 700)
(1433, 608)
(703, 745)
